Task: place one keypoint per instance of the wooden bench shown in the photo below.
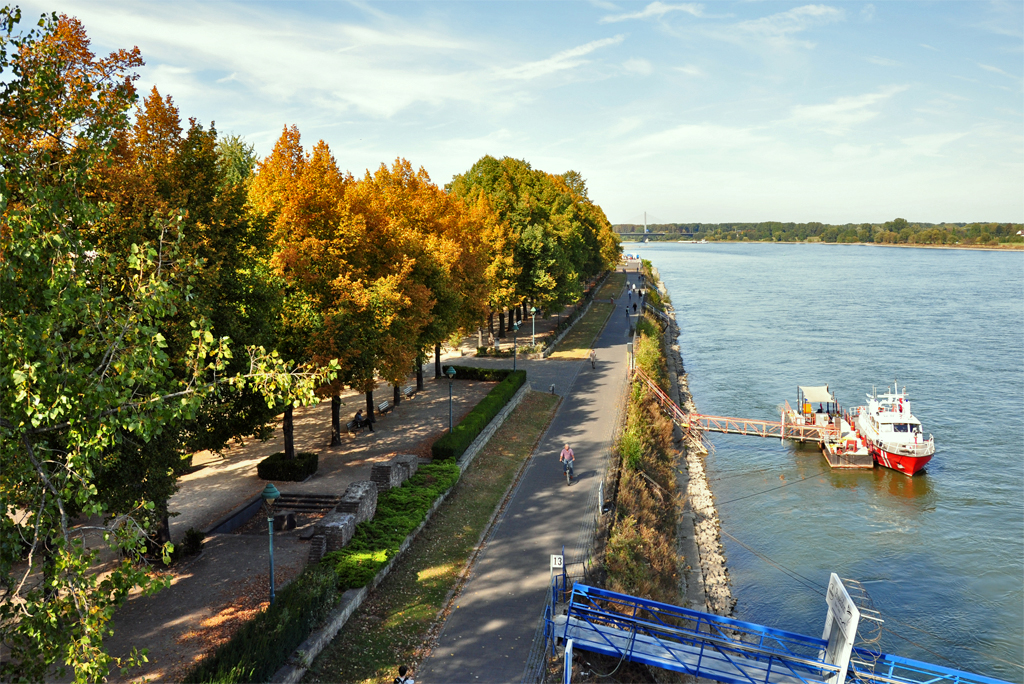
(385, 406)
(409, 390)
(352, 426)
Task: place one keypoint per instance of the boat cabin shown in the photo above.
(816, 405)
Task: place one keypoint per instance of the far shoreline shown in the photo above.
(1009, 247)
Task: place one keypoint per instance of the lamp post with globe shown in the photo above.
(515, 329)
(270, 495)
(451, 376)
(533, 334)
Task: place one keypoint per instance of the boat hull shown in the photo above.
(908, 465)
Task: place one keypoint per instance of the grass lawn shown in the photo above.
(612, 287)
(578, 341)
(394, 623)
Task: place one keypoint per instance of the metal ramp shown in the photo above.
(726, 650)
(688, 641)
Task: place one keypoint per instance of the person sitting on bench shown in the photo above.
(363, 422)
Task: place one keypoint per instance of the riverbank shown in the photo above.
(699, 526)
(1005, 247)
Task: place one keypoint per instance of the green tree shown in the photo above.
(83, 351)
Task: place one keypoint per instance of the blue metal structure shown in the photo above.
(715, 647)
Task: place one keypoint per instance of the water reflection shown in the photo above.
(898, 484)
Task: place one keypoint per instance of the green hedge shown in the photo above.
(277, 467)
(264, 644)
(455, 443)
(399, 512)
(485, 374)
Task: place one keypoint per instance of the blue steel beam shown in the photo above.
(723, 649)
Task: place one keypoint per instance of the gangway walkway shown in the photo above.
(726, 650)
(696, 422)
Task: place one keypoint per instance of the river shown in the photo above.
(941, 554)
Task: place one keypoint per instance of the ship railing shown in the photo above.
(923, 449)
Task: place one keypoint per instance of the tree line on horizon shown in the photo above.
(164, 291)
(897, 231)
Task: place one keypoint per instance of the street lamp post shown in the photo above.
(451, 376)
(270, 495)
(533, 335)
(515, 329)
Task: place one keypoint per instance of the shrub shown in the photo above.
(484, 374)
(264, 644)
(277, 467)
(190, 545)
(399, 512)
(455, 443)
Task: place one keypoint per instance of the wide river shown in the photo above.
(941, 554)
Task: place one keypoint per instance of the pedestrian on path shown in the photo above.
(567, 459)
(402, 678)
(593, 358)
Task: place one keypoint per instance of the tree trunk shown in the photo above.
(398, 396)
(437, 360)
(490, 322)
(526, 313)
(369, 409)
(419, 375)
(288, 428)
(336, 420)
(501, 323)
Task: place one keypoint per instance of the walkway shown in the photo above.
(219, 589)
(488, 634)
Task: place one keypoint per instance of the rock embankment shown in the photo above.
(700, 502)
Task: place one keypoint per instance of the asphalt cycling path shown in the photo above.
(489, 632)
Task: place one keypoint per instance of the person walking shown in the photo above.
(593, 358)
(402, 677)
(567, 459)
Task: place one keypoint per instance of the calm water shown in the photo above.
(942, 554)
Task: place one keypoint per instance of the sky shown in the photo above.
(692, 112)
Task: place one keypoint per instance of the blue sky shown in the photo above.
(705, 111)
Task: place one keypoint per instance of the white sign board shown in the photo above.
(840, 628)
(556, 562)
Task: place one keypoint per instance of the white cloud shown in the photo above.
(655, 10)
(780, 29)
(566, 59)
(690, 70)
(638, 66)
(929, 47)
(867, 12)
(930, 145)
(842, 113)
(995, 70)
(883, 61)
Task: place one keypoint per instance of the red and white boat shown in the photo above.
(893, 435)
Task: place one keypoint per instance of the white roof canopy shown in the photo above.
(818, 395)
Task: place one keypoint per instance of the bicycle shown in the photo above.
(567, 458)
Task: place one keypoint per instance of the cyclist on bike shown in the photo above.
(567, 458)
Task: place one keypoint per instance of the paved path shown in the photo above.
(490, 630)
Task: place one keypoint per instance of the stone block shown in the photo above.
(284, 520)
(360, 499)
(386, 475)
(337, 529)
(408, 462)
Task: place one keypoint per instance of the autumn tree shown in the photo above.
(84, 362)
(552, 236)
